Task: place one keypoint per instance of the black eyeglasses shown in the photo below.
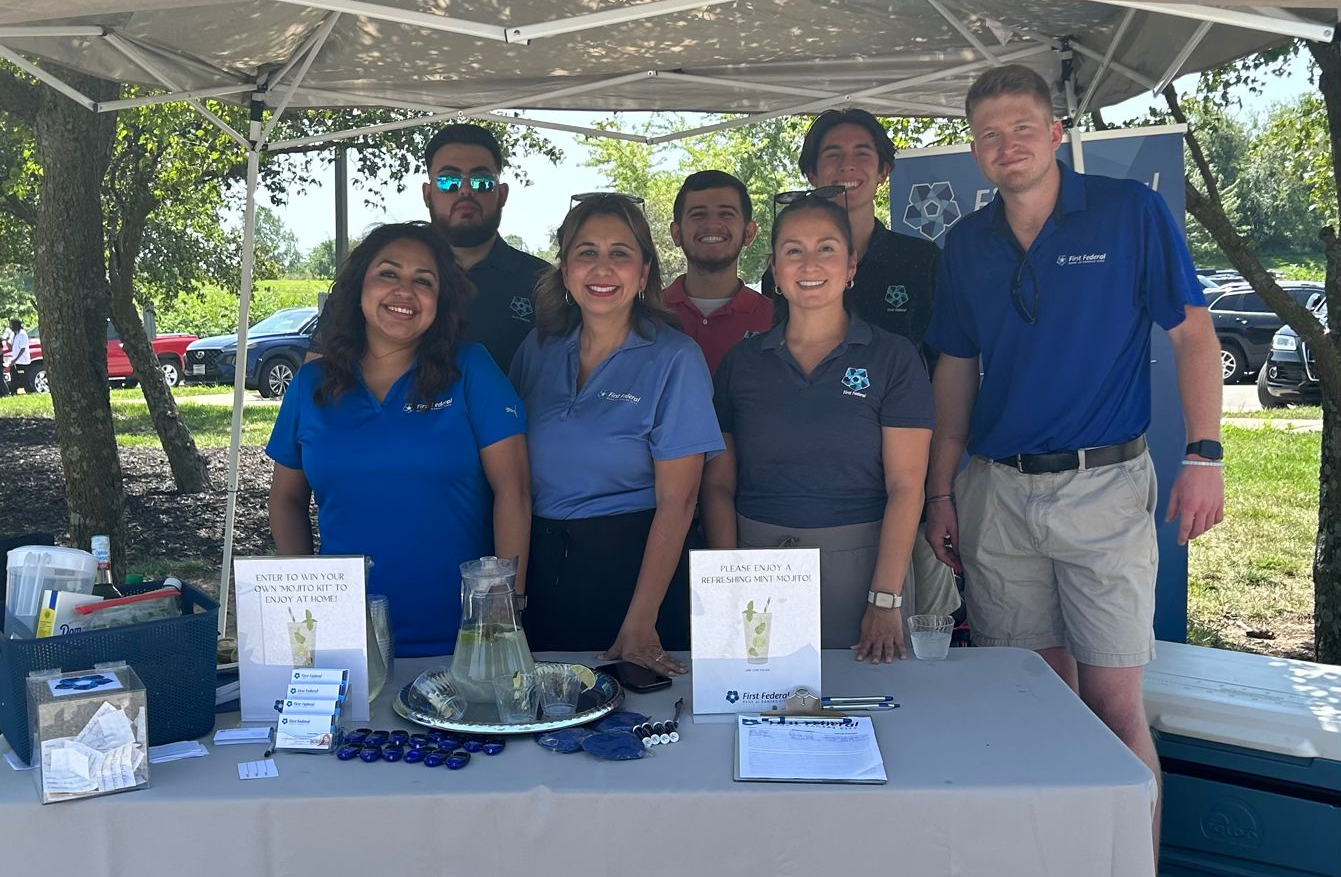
(1029, 315)
(582, 197)
(823, 192)
(478, 182)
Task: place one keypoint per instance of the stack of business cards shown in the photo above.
(310, 710)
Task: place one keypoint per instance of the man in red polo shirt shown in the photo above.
(713, 223)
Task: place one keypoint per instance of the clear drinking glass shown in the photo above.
(560, 689)
(931, 636)
(516, 697)
(381, 646)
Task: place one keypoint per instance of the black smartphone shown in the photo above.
(636, 678)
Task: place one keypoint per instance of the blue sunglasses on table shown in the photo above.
(478, 182)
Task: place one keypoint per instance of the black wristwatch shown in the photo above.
(1208, 449)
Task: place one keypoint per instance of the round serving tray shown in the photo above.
(421, 702)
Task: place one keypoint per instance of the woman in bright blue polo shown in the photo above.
(411, 441)
(621, 419)
(827, 421)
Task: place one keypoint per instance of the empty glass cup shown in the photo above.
(931, 636)
(516, 697)
(560, 689)
(381, 647)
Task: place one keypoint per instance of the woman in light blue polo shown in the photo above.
(411, 441)
(827, 422)
(621, 420)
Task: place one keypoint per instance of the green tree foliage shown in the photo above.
(763, 156)
(212, 310)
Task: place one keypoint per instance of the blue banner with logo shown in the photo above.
(931, 190)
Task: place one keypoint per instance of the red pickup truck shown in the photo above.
(170, 350)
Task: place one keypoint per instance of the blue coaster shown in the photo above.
(565, 740)
(621, 721)
(615, 746)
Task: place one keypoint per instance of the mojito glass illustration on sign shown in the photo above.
(758, 628)
(303, 639)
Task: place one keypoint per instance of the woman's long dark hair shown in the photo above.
(342, 334)
(556, 315)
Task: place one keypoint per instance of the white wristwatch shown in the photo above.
(884, 599)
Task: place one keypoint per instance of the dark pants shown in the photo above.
(581, 578)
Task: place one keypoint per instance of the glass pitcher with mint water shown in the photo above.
(491, 642)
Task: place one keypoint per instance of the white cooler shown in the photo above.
(1251, 751)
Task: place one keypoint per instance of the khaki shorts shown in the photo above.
(1066, 559)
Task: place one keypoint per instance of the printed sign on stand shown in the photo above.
(755, 626)
(297, 612)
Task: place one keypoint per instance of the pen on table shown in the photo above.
(867, 698)
(274, 743)
(861, 707)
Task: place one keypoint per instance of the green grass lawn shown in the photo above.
(210, 424)
(1294, 412)
(1255, 570)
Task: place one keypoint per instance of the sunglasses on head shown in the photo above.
(478, 182)
(631, 200)
(823, 192)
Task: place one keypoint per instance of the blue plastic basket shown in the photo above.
(174, 658)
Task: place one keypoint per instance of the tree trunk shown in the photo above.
(1209, 211)
(74, 145)
(189, 471)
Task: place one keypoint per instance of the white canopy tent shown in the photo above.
(472, 59)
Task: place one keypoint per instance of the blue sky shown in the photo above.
(534, 209)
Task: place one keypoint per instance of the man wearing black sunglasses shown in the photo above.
(895, 282)
(465, 201)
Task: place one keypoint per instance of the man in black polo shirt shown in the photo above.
(465, 201)
(895, 282)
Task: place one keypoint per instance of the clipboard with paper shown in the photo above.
(790, 749)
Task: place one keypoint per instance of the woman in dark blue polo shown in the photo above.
(827, 421)
(621, 419)
(411, 441)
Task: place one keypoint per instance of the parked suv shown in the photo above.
(1289, 376)
(170, 350)
(1245, 325)
(276, 347)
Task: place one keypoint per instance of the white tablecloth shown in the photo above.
(995, 769)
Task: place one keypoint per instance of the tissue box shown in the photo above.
(88, 731)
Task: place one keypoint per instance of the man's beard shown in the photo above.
(469, 235)
(712, 266)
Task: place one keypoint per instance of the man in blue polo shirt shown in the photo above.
(465, 200)
(1053, 288)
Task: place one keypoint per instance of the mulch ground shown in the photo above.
(162, 524)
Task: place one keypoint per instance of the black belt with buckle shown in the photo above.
(1069, 461)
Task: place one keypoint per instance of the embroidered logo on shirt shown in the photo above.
(1082, 259)
(897, 298)
(932, 209)
(749, 334)
(510, 410)
(421, 407)
(619, 397)
(856, 380)
(522, 307)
